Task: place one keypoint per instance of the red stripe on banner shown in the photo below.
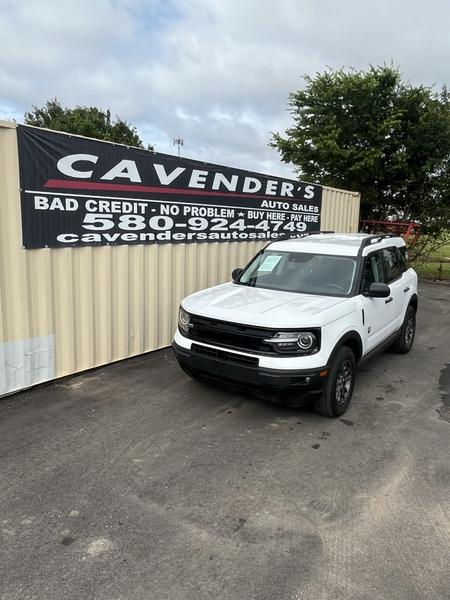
(123, 187)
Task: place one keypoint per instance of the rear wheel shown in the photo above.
(338, 390)
(407, 332)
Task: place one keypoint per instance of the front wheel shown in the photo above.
(407, 333)
(338, 389)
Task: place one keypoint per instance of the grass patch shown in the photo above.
(437, 271)
(442, 254)
(437, 266)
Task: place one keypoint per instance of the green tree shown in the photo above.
(84, 120)
(368, 131)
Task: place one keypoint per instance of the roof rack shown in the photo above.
(368, 241)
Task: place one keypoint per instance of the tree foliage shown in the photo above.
(88, 121)
(370, 132)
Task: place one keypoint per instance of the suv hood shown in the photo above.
(266, 308)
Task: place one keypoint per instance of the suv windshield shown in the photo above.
(301, 272)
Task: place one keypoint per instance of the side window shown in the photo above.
(403, 257)
(373, 271)
(392, 261)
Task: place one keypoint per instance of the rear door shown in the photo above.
(397, 283)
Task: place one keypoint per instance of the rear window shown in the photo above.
(404, 259)
(393, 262)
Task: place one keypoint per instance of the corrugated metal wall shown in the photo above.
(69, 309)
(340, 210)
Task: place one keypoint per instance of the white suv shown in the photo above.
(301, 316)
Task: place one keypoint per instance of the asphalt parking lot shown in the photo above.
(134, 482)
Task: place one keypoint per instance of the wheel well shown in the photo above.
(414, 302)
(355, 346)
(353, 341)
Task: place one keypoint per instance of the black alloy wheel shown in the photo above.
(407, 333)
(338, 390)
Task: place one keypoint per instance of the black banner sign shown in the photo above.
(81, 192)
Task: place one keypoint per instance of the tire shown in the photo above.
(407, 333)
(336, 396)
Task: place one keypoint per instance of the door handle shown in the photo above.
(388, 300)
(406, 289)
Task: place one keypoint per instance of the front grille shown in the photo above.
(250, 361)
(231, 335)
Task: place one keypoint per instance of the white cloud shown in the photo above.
(215, 73)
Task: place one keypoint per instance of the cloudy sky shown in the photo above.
(215, 72)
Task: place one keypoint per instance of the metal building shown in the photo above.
(64, 310)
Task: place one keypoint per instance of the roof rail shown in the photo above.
(368, 241)
(288, 236)
(318, 232)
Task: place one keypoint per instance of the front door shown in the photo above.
(378, 312)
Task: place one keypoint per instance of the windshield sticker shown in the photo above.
(270, 263)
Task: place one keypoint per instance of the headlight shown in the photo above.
(298, 342)
(184, 320)
(306, 341)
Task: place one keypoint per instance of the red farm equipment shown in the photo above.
(409, 231)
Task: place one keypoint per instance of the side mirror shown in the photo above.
(378, 290)
(236, 274)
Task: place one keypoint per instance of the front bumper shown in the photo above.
(244, 371)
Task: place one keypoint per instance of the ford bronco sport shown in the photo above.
(301, 317)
